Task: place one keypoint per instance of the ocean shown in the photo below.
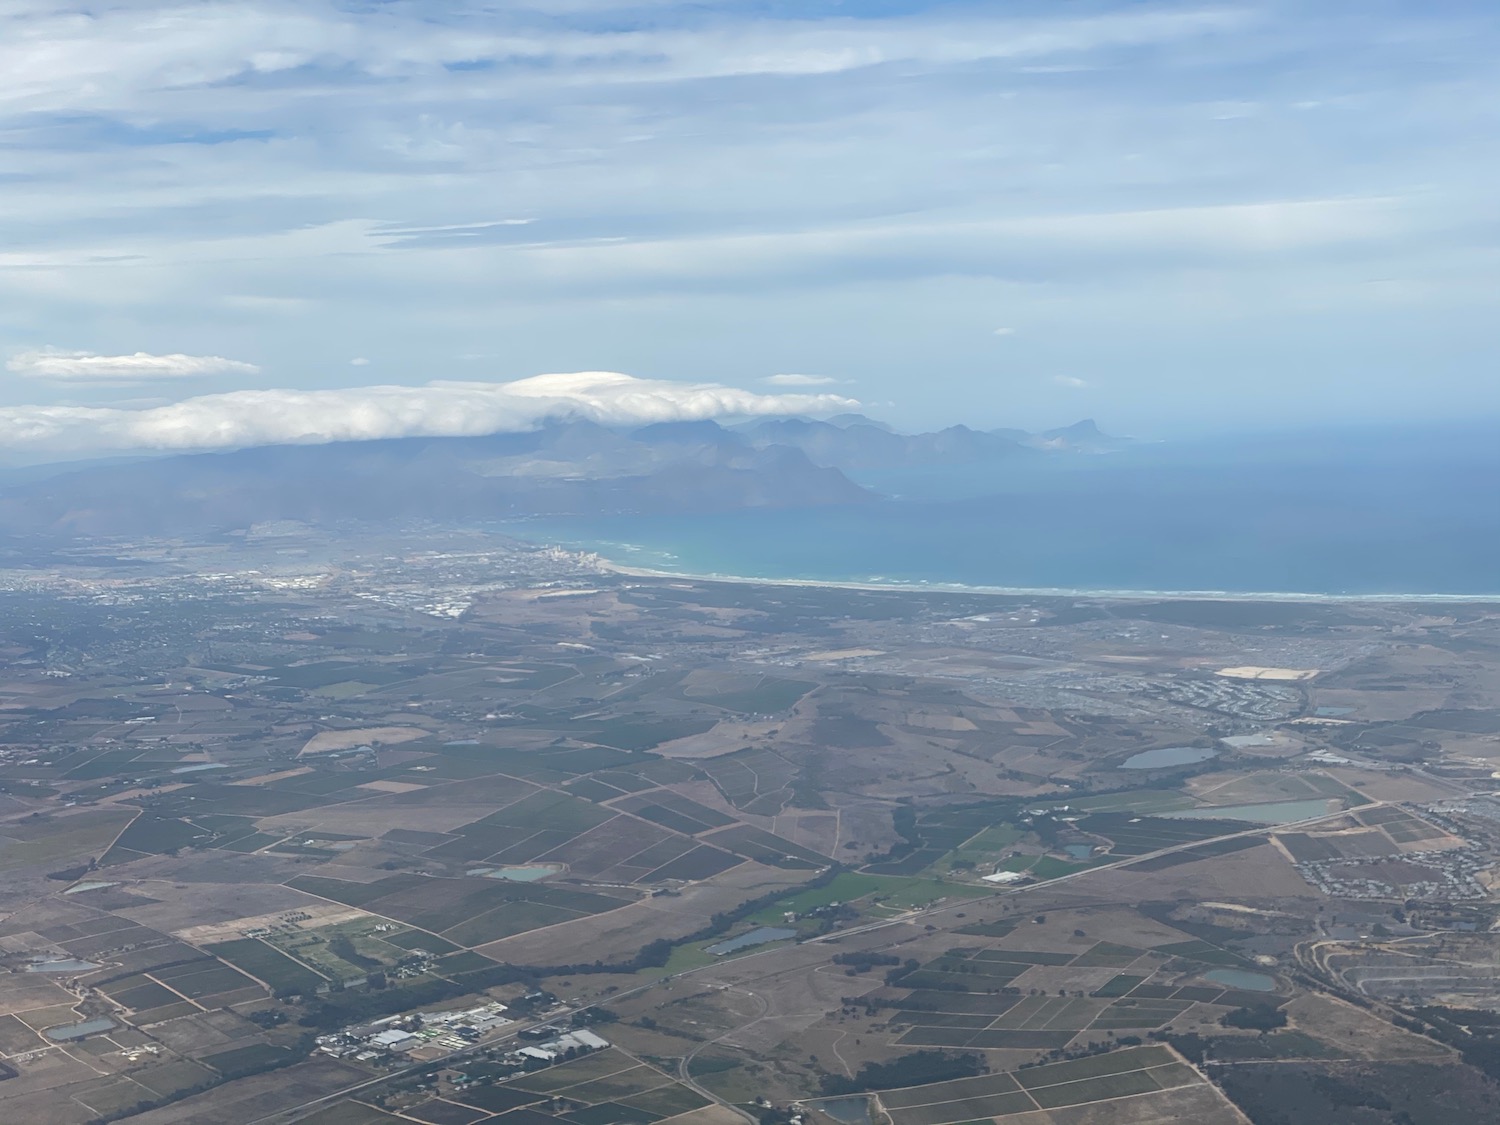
(1321, 513)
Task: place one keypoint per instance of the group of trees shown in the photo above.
(1260, 1017)
(863, 962)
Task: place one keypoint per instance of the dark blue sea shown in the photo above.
(1337, 512)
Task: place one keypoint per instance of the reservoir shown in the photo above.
(1166, 756)
(61, 965)
(527, 874)
(754, 937)
(1241, 978)
(68, 1032)
(95, 885)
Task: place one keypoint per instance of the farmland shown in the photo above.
(1098, 1079)
(780, 837)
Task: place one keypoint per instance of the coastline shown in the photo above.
(613, 567)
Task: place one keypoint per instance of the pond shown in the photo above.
(1275, 812)
(93, 885)
(1242, 978)
(528, 874)
(71, 1031)
(1165, 756)
(1080, 851)
(61, 965)
(754, 937)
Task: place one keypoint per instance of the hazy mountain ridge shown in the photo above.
(573, 468)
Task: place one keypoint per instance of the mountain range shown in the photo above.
(568, 468)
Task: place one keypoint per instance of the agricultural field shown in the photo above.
(602, 1088)
(1000, 999)
(1099, 1081)
(779, 836)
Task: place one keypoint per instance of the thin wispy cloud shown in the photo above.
(681, 188)
(57, 365)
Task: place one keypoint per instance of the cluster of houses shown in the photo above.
(443, 1032)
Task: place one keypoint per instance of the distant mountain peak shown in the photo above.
(1084, 427)
(844, 421)
(1083, 436)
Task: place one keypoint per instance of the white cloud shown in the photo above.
(53, 58)
(140, 367)
(1005, 332)
(1072, 381)
(359, 361)
(800, 380)
(445, 179)
(441, 409)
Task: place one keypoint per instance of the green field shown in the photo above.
(54, 840)
(893, 891)
(245, 1060)
(350, 1113)
(586, 1069)
(506, 920)
(768, 696)
(1094, 1089)
(684, 957)
(1096, 1078)
(140, 996)
(173, 1076)
(276, 969)
(203, 978)
(667, 1101)
(1116, 1062)
(1137, 801)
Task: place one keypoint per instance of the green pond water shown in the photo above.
(1242, 978)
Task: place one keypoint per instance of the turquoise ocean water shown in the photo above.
(1319, 513)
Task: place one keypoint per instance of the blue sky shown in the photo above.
(1173, 217)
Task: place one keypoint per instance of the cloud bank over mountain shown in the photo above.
(238, 419)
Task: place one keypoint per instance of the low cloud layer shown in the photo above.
(56, 365)
(443, 409)
(800, 380)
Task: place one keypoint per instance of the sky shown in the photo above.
(228, 223)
